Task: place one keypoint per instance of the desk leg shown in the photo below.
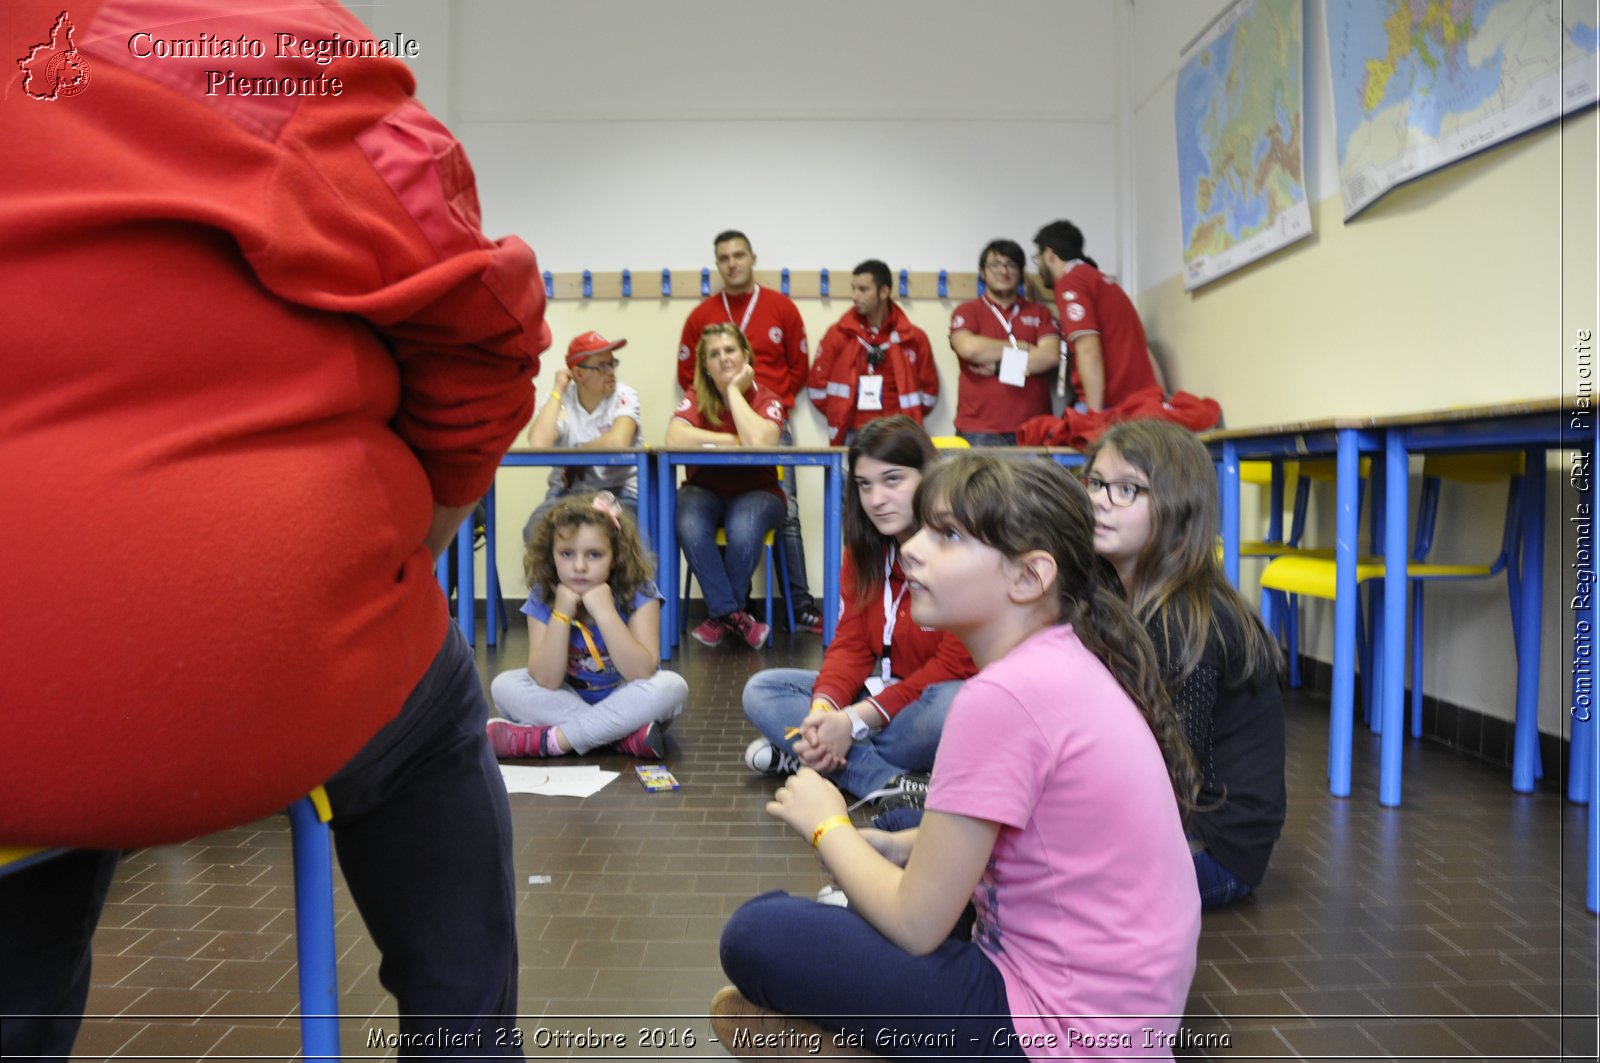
(1391, 675)
(647, 516)
(832, 547)
(1591, 614)
(466, 594)
(667, 543)
(1342, 710)
(1525, 733)
(491, 573)
(1230, 511)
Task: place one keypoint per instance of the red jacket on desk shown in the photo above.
(910, 380)
(252, 341)
(918, 656)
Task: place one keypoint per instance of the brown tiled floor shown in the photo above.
(1450, 928)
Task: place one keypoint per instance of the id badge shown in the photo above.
(875, 685)
(869, 393)
(1014, 367)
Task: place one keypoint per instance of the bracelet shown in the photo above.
(563, 617)
(826, 825)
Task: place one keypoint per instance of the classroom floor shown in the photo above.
(1453, 927)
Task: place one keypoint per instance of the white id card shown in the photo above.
(1014, 367)
(875, 685)
(869, 393)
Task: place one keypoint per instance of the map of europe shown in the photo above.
(1238, 120)
(1419, 84)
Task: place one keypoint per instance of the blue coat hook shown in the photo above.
(822, 280)
(944, 284)
(627, 284)
(981, 287)
(905, 283)
(588, 285)
(666, 284)
(783, 281)
(705, 282)
(549, 285)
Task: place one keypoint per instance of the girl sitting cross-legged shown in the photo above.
(1055, 808)
(876, 709)
(594, 622)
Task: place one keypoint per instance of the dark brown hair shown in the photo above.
(896, 440)
(1018, 505)
(1178, 583)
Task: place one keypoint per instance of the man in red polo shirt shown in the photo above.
(873, 362)
(1002, 330)
(1110, 359)
(771, 322)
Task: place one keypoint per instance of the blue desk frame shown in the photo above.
(466, 604)
(1536, 428)
(829, 459)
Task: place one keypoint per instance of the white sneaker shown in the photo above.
(764, 758)
(831, 894)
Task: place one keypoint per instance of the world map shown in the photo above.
(1419, 84)
(1239, 127)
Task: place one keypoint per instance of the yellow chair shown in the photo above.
(1315, 576)
(950, 443)
(1299, 475)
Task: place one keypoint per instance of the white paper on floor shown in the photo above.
(577, 781)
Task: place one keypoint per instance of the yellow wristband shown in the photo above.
(563, 617)
(826, 825)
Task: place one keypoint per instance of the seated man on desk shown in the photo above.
(587, 407)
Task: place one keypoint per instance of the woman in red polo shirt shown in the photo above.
(727, 409)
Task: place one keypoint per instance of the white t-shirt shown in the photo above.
(577, 426)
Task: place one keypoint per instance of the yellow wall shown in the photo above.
(1465, 287)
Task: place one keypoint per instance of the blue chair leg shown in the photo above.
(788, 599)
(1364, 665)
(314, 939)
(1291, 633)
(1416, 659)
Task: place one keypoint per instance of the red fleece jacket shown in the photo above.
(250, 342)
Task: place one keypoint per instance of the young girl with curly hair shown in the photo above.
(594, 622)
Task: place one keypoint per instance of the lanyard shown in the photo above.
(891, 610)
(1005, 322)
(744, 322)
(869, 348)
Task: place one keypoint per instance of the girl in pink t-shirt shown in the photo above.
(1051, 810)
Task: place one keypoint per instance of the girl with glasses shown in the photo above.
(1154, 491)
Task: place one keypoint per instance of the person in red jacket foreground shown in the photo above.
(873, 362)
(877, 708)
(262, 361)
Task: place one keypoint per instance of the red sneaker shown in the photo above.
(516, 740)
(710, 632)
(647, 743)
(747, 627)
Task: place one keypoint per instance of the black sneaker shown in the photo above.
(808, 621)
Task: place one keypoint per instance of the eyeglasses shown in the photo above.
(1121, 492)
(603, 367)
(1004, 265)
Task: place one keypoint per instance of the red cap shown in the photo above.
(588, 345)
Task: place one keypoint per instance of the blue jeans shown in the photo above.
(794, 548)
(774, 953)
(779, 698)
(989, 439)
(724, 575)
(1218, 886)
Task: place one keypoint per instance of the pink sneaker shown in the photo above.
(747, 627)
(646, 743)
(711, 631)
(516, 740)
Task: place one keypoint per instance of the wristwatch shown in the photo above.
(858, 726)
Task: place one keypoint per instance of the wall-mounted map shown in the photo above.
(1238, 118)
(1418, 84)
